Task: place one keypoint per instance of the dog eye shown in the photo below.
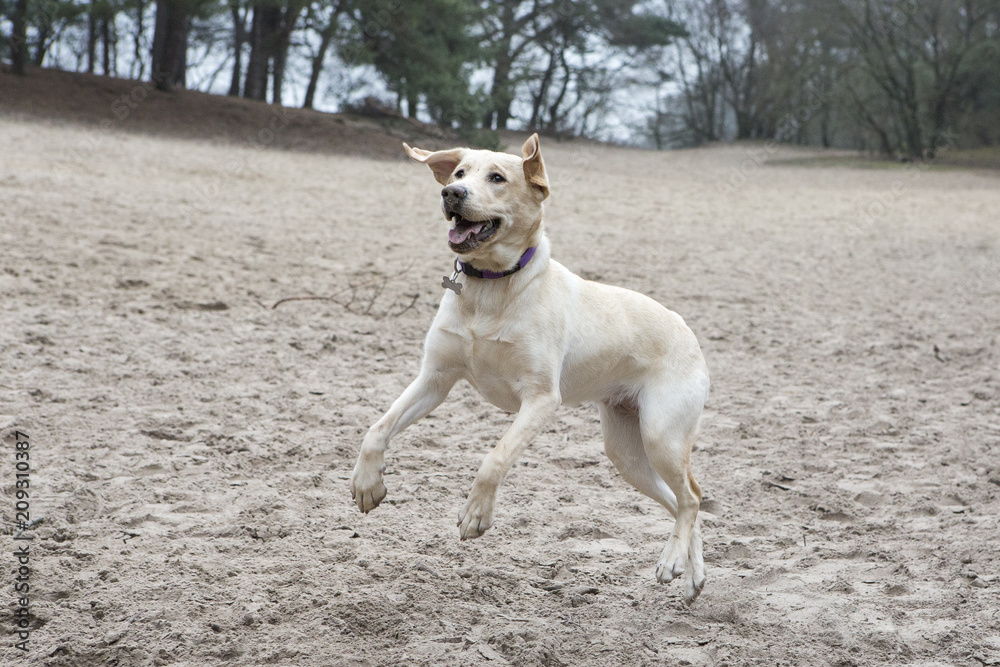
(460, 173)
(497, 178)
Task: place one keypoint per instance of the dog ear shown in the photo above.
(533, 166)
(442, 163)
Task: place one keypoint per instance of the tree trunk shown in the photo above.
(161, 24)
(265, 21)
(180, 74)
(106, 45)
(19, 37)
(255, 85)
(91, 39)
(500, 93)
(553, 122)
(500, 88)
(239, 38)
(318, 61)
(278, 74)
(543, 92)
(909, 116)
(284, 26)
(412, 100)
(137, 42)
(502, 97)
(40, 45)
(169, 53)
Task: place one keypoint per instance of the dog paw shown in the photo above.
(693, 586)
(694, 580)
(671, 563)
(367, 488)
(475, 518)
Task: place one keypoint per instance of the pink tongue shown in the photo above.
(458, 235)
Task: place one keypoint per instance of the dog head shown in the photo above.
(494, 200)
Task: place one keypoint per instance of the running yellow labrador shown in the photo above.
(528, 335)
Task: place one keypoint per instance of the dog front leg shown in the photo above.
(477, 515)
(423, 395)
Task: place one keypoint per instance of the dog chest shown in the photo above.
(500, 370)
(492, 368)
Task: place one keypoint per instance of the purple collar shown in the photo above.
(472, 271)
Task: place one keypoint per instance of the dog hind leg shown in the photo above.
(668, 423)
(623, 445)
(651, 449)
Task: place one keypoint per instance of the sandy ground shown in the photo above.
(192, 445)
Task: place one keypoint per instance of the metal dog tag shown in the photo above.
(452, 284)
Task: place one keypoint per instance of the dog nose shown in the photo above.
(454, 193)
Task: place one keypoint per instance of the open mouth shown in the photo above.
(467, 234)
